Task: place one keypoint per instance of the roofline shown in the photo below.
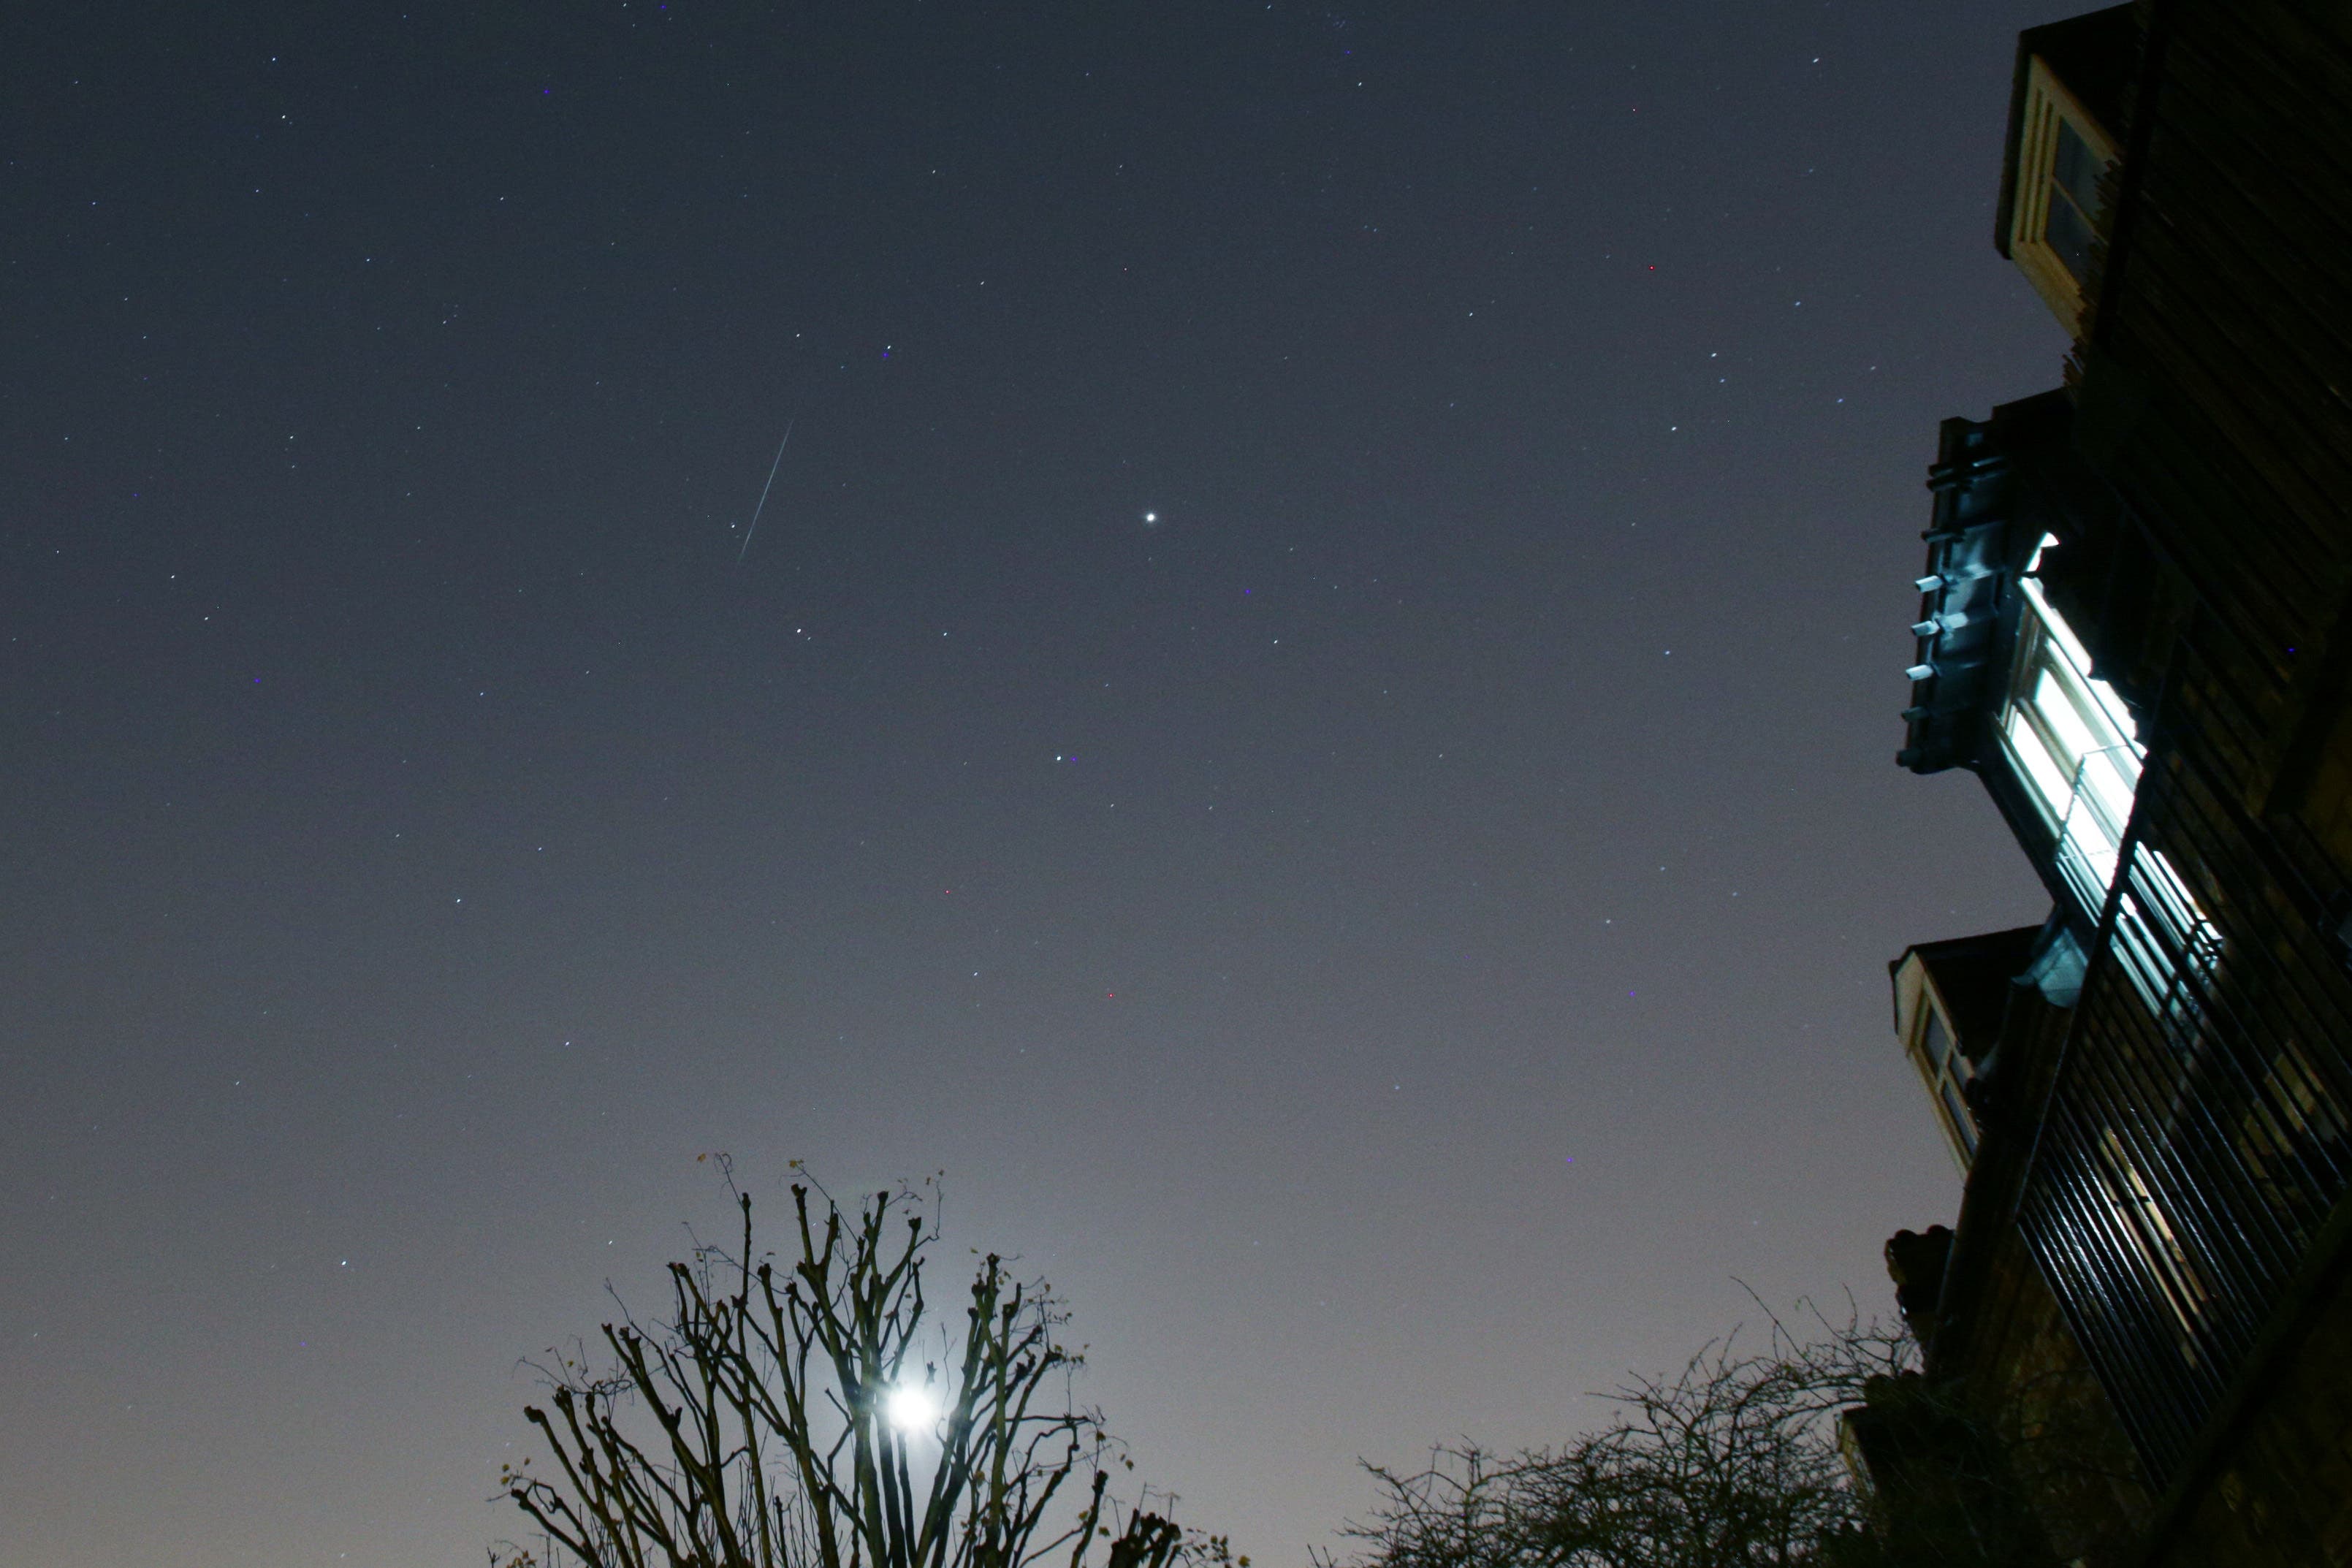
(2011, 139)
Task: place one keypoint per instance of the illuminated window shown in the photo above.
(2062, 154)
(2072, 742)
(2147, 1234)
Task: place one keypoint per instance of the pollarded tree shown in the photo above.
(813, 1415)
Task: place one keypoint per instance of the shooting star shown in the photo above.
(763, 491)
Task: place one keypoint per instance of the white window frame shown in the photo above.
(2048, 103)
(2072, 743)
(1949, 1074)
(1946, 1072)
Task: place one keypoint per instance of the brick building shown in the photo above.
(2133, 628)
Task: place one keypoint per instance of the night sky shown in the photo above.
(1309, 715)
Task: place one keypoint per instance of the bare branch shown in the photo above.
(751, 1426)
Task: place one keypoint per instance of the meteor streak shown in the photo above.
(763, 491)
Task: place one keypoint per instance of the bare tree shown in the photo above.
(813, 1416)
(1733, 1462)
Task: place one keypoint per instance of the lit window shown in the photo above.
(2150, 1237)
(2072, 740)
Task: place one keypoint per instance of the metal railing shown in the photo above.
(2196, 1136)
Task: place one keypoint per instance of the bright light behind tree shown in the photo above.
(910, 1409)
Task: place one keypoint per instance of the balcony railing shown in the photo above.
(2200, 1128)
(2161, 936)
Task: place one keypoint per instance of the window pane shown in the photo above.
(2068, 234)
(2056, 704)
(2074, 200)
(2110, 779)
(1957, 1112)
(2077, 169)
(2101, 698)
(2050, 781)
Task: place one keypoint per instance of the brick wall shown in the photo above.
(2027, 1377)
(2279, 1493)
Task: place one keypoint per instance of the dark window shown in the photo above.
(2073, 201)
(2077, 168)
(1959, 1113)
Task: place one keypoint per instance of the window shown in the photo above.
(2073, 743)
(1946, 1071)
(2061, 153)
(2071, 740)
(2074, 212)
(2148, 1237)
(1924, 1024)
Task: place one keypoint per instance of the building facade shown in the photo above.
(2132, 627)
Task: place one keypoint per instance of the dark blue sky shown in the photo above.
(427, 835)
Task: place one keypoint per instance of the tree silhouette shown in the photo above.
(1736, 1461)
(813, 1416)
